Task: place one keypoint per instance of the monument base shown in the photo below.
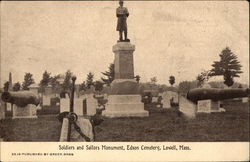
(125, 106)
(209, 106)
(124, 87)
(28, 111)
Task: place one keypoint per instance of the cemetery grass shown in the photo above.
(166, 125)
(44, 128)
(161, 125)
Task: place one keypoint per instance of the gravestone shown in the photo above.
(154, 99)
(105, 96)
(166, 100)
(175, 97)
(48, 91)
(28, 111)
(46, 100)
(34, 88)
(48, 94)
(64, 104)
(245, 99)
(78, 105)
(124, 99)
(91, 104)
(167, 97)
(8, 106)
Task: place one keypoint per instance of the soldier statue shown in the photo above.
(122, 14)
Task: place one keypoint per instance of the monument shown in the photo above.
(124, 99)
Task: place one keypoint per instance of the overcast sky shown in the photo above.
(172, 38)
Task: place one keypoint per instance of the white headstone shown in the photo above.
(91, 105)
(8, 106)
(166, 100)
(105, 96)
(64, 104)
(175, 97)
(46, 100)
(154, 99)
(245, 99)
(78, 106)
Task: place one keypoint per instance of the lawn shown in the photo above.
(44, 128)
(161, 125)
(166, 125)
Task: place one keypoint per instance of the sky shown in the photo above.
(180, 38)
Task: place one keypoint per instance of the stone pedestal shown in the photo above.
(28, 111)
(124, 63)
(124, 82)
(124, 100)
(208, 106)
(124, 106)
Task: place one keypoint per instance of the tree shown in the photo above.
(6, 86)
(56, 87)
(228, 66)
(153, 80)
(83, 86)
(17, 86)
(171, 80)
(137, 78)
(89, 80)
(203, 77)
(110, 75)
(28, 80)
(45, 80)
(185, 86)
(67, 83)
(98, 85)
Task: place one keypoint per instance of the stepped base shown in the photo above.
(125, 106)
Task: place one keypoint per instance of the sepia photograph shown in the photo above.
(124, 71)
